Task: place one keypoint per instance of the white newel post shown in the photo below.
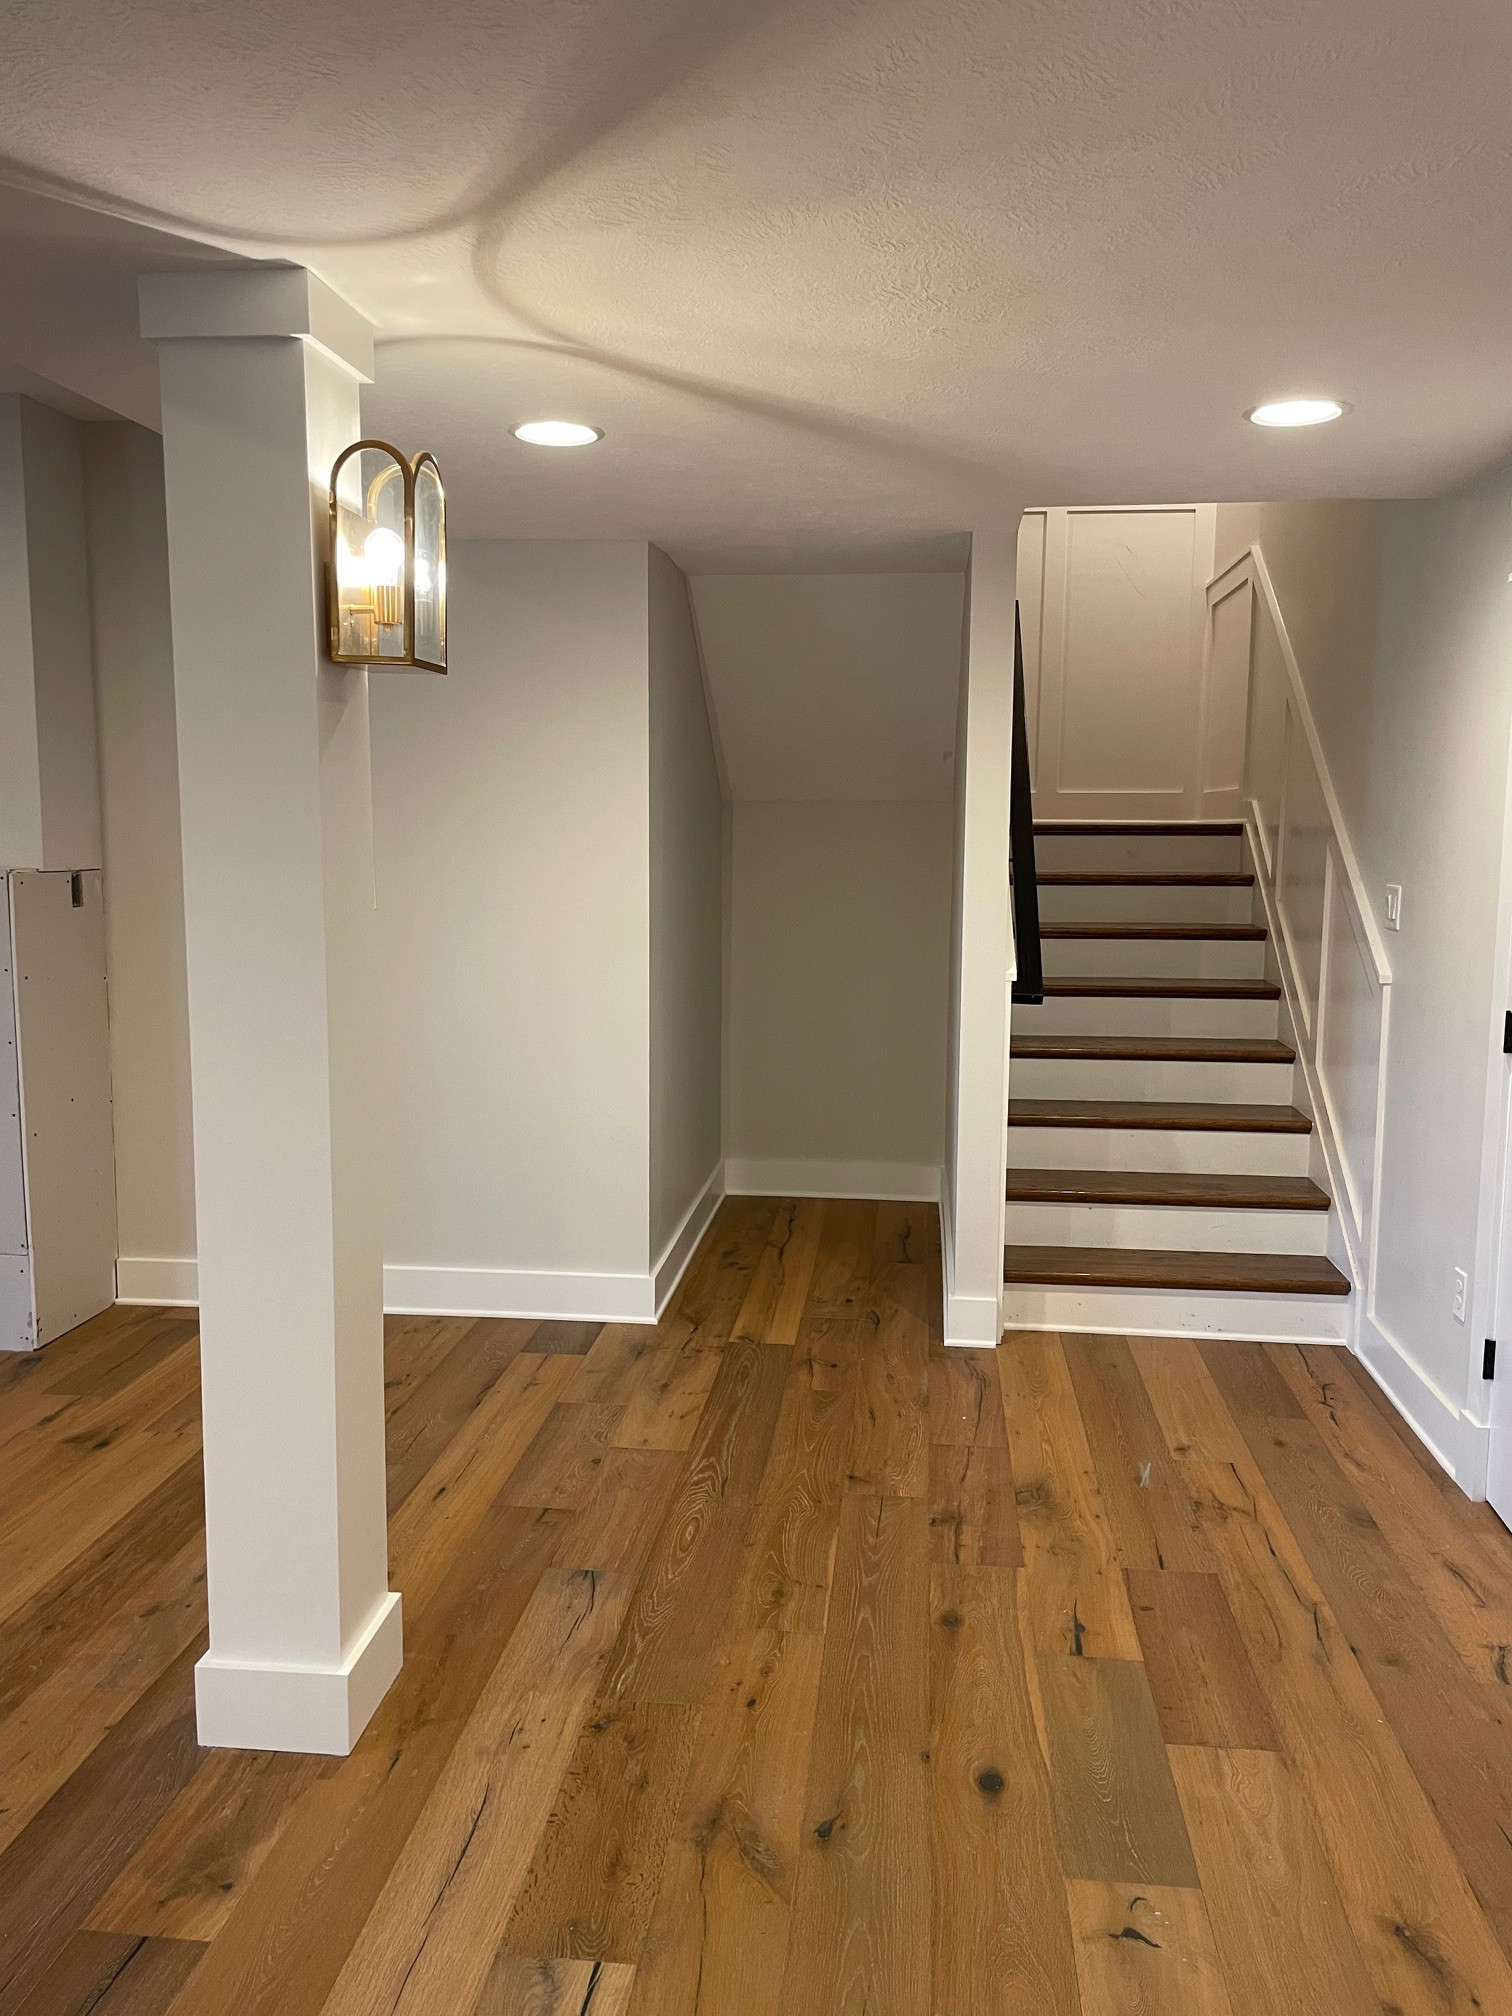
(260, 371)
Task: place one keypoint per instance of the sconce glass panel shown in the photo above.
(369, 551)
(430, 565)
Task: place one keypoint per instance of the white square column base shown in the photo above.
(241, 1705)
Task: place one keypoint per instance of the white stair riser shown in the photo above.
(1160, 1312)
(1167, 1228)
(1206, 1151)
(1145, 1015)
(1098, 902)
(1140, 853)
(1157, 958)
(1143, 1078)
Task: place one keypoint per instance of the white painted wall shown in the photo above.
(832, 686)
(839, 966)
(144, 879)
(1436, 816)
(1324, 559)
(49, 776)
(835, 697)
(1400, 616)
(513, 861)
(686, 840)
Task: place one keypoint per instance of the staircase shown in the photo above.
(1162, 1170)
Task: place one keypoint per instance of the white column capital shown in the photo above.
(243, 301)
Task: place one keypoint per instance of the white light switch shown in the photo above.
(1393, 906)
(1461, 1291)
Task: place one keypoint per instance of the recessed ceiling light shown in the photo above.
(557, 433)
(1295, 412)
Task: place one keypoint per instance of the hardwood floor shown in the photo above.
(776, 1660)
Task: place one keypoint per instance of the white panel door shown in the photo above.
(1120, 702)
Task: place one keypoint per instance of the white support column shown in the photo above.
(260, 371)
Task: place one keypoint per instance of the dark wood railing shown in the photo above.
(1029, 984)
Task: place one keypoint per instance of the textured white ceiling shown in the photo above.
(833, 685)
(839, 275)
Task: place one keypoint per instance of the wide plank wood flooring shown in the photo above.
(774, 1661)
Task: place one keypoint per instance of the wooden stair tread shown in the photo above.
(1181, 1187)
(1183, 931)
(1159, 1049)
(1098, 878)
(1199, 829)
(1155, 987)
(1124, 1267)
(1175, 1115)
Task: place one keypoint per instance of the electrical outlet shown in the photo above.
(1393, 906)
(1461, 1294)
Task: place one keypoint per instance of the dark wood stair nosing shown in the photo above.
(1138, 932)
(1130, 1267)
(1092, 878)
(1177, 1116)
(1175, 1189)
(1158, 987)
(1051, 1048)
(1160, 829)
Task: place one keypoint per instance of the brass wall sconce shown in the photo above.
(386, 575)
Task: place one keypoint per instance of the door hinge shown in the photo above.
(1488, 1361)
(1507, 1034)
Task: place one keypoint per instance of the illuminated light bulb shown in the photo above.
(1295, 413)
(384, 553)
(557, 434)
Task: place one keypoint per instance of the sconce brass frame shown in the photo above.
(408, 470)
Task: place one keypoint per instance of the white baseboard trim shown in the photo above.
(441, 1291)
(780, 1176)
(681, 1247)
(506, 1291)
(173, 1282)
(321, 1711)
(1458, 1441)
(970, 1321)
